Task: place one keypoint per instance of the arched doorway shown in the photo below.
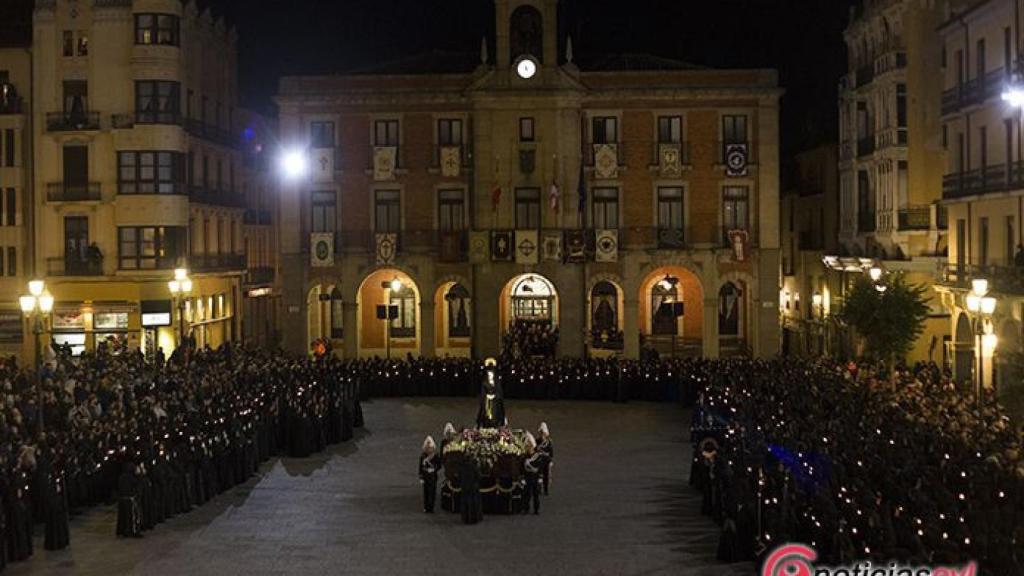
(324, 316)
(732, 318)
(964, 347)
(452, 320)
(671, 312)
(529, 314)
(401, 334)
(605, 317)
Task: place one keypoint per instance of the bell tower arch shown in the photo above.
(526, 28)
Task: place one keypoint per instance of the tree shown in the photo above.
(889, 321)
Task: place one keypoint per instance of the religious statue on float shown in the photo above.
(491, 413)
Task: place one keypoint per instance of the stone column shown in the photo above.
(631, 328)
(427, 328)
(710, 330)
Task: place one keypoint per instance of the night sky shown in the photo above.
(801, 38)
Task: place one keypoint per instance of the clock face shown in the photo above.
(526, 68)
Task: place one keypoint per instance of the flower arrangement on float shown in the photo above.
(496, 451)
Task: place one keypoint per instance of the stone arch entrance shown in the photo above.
(399, 336)
(964, 351)
(529, 311)
(671, 312)
(453, 320)
(605, 320)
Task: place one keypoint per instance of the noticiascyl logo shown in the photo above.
(790, 560)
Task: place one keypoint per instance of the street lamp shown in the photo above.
(294, 164)
(981, 307)
(35, 305)
(180, 287)
(875, 273)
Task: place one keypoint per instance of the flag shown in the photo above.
(554, 195)
(496, 197)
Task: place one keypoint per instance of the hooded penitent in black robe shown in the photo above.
(491, 411)
(58, 534)
(472, 506)
(129, 514)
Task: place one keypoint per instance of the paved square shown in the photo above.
(619, 504)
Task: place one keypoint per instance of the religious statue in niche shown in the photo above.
(527, 33)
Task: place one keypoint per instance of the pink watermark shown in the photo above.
(798, 560)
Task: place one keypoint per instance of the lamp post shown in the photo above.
(981, 306)
(395, 285)
(180, 288)
(35, 305)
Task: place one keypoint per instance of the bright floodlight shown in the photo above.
(293, 163)
(28, 303)
(46, 303)
(1014, 96)
(980, 286)
(988, 305)
(396, 285)
(35, 287)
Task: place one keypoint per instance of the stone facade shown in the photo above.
(528, 137)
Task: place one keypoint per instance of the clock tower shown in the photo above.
(527, 35)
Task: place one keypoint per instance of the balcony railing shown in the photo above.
(866, 222)
(72, 121)
(1002, 279)
(216, 134)
(892, 137)
(723, 148)
(684, 152)
(148, 117)
(216, 262)
(890, 61)
(255, 217)
(261, 275)
(73, 192)
(994, 178)
(974, 91)
(914, 218)
(73, 266)
(200, 195)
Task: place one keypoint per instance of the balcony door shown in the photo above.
(76, 172)
(76, 244)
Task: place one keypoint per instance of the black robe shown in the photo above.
(58, 534)
(491, 411)
(471, 505)
(129, 515)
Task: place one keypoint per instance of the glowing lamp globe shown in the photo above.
(293, 164)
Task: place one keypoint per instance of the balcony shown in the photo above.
(147, 117)
(261, 275)
(995, 178)
(72, 121)
(684, 152)
(255, 217)
(914, 218)
(866, 146)
(890, 61)
(200, 195)
(215, 134)
(973, 92)
(73, 192)
(865, 74)
(465, 157)
(216, 262)
(891, 137)
(866, 222)
(74, 266)
(1002, 279)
